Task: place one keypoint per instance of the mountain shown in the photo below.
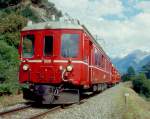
(136, 59)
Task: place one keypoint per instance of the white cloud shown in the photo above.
(96, 8)
(125, 36)
(107, 7)
(119, 37)
(144, 5)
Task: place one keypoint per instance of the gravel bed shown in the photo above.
(106, 105)
(11, 107)
(27, 113)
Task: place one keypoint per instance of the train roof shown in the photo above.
(52, 25)
(62, 25)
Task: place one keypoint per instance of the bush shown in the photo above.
(137, 85)
(146, 88)
(37, 1)
(142, 86)
(4, 89)
(11, 38)
(8, 67)
(130, 75)
(10, 26)
(6, 3)
(12, 23)
(30, 14)
(9, 88)
(126, 77)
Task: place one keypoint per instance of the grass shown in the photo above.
(11, 100)
(136, 107)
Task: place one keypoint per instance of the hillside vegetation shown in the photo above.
(140, 81)
(136, 107)
(14, 16)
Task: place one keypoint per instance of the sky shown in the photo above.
(121, 26)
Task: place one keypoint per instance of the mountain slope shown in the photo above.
(14, 15)
(136, 59)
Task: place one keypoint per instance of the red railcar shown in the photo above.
(60, 60)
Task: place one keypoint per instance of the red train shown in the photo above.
(60, 61)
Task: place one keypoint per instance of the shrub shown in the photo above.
(37, 1)
(146, 88)
(4, 89)
(8, 67)
(10, 26)
(126, 77)
(12, 23)
(142, 86)
(6, 3)
(30, 14)
(9, 88)
(130, 75)
(11, 38)
(137, 85)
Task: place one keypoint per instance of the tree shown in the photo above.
(14, 17)
(36, 1)
(141, 76)
(6, 3)
(131, 71)
(142, 85)
(130, 75)
(146, 70)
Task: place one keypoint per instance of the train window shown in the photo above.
(48, 48)
(103, 61)
(28, 46)
(70, 45)
(100, 60)
(96, 52)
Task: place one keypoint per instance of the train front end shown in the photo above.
(46, 67)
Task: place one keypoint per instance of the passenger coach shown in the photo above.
(60, 61)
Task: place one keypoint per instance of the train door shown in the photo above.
(86, 61)
(48, 69)
(49, 45)
(90, 61)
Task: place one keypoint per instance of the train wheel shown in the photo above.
(95, 88)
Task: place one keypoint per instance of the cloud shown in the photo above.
(127, 31)
(96, 8)
(144, 5)
(125, 36)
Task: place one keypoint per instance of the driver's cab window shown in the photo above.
(28, 46)
(48, 45)
(70, 45)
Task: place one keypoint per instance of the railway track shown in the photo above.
(36, 114)
(19, 111)
(14, 110)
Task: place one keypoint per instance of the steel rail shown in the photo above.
(39, 115)
(44, 113)
(36, 116)
(14, 110)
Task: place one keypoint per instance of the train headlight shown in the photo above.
(25, 67)
(69, 68)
